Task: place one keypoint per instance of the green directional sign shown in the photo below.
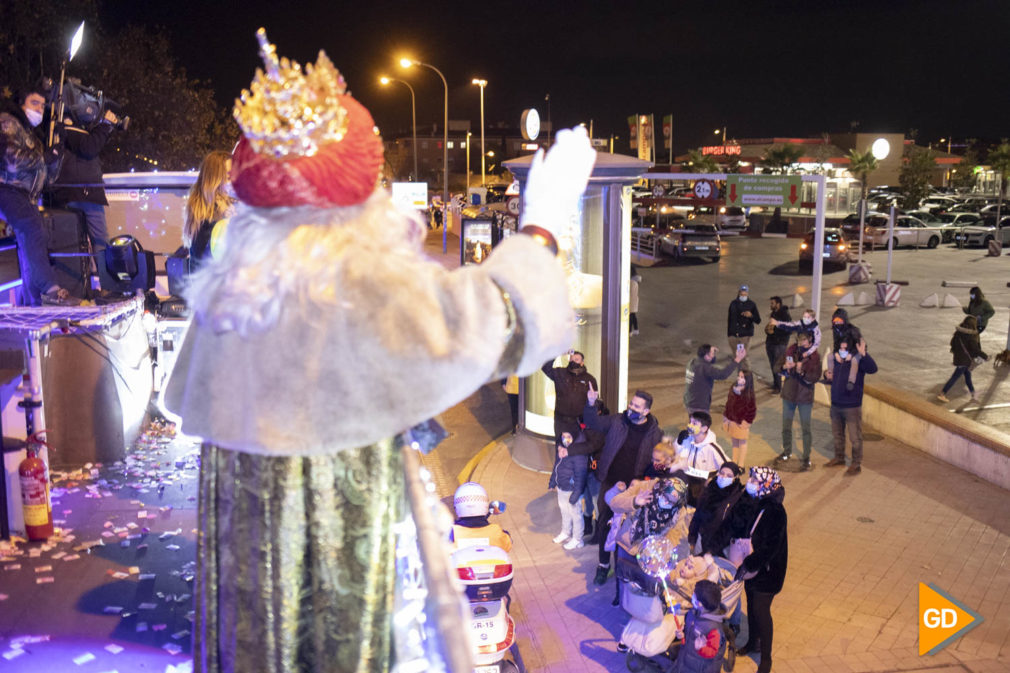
(763, 190)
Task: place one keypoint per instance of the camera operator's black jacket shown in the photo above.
(81, 165)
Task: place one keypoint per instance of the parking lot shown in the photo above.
(689, 299)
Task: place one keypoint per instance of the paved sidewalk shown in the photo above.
(858, 548)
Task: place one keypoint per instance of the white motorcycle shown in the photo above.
(485, 571)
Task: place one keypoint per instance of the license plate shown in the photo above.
(827, 254)
(481, 624)
(701, 247)
(486, 669)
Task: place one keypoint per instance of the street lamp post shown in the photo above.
(723, 131)
(406, 63)
(481, 83)
(413, 115)
(468, 134)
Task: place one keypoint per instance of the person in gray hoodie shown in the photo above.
(701, 375)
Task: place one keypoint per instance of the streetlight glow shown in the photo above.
(406, 63)
(481, 83)
(413, 115)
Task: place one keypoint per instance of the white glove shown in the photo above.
(556, 182)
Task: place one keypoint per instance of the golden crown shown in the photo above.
(285, 112)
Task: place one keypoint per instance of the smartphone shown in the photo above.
(739, 348)
(789, 359)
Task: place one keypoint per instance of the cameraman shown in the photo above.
(22, 176)
(79, 185)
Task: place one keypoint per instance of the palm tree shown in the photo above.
(861, 164)
(999, 159)
(780, 158)
(700, 163)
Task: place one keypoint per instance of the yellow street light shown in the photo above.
(410, 62)
(413, 114)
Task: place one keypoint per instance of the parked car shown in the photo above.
(980, 233)
(988, 213)
(908, 230)
(960, 219)
(692, 239)
(931, 220)
(835, 252)
(731, 217)
(937, 204)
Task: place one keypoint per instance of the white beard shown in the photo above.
(273, 256)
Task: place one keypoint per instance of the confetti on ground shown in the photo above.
(10, 654)
(72, 557)
(45, 580)
(113, 609)
(4, 597)
(171, 648)
(44, 569)
(113, 648)
(13, 566)
(84, 658)
(147, 606)
(141, 627)
(143, 577)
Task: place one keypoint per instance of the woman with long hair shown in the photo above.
(965, 347)
(209, 202)
(741, 409)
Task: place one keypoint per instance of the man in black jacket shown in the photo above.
(79, 186)
(629, 439)
(743, 315)
(23, 173)
(777, 339)
(571, 384)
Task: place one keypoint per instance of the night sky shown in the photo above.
(762, 69)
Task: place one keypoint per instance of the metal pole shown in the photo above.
(890, 243)
(467, 165)
(482, 181)
(445, 153)
(413, 127)
(862, 225)
(815, 299)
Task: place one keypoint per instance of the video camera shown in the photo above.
(86, 104)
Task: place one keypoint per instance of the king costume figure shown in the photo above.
(320, 334)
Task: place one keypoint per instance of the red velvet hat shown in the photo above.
(305, 141)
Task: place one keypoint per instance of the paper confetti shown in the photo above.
(45, 580)
(44, 569)
(113, 648)
(84, 658)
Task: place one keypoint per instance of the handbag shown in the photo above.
(741, 548)
(974, 361)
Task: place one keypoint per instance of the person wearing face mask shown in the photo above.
(27, 167)
(664, 455)
(801, 370)
(743, 315)
(698, 454)
(842, 330)
(807, 324)
(569, 478)
(701, 375)
(760, 516)
(847, 402)
(652, 507)
(979, 307)
(628, 441)
(571, 385)
(741, 409)
(79, 186)
(777, 339)
(704, 643)
(715, 502)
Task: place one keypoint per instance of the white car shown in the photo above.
(731, 217)
(979, 234)
(908, 230)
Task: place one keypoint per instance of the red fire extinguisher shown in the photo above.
(34, 475)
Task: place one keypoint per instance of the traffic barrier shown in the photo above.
(959, 283)
(859, 273)
(932, 301)
(847, 299)
(888, 294)
(864, 299)
(797, 302)
(950, 301)
(995, 248)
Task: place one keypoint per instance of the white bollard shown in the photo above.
(932, 301)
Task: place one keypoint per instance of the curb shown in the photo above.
(471, 465)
